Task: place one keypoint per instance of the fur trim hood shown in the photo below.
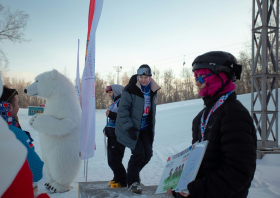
(154, 86)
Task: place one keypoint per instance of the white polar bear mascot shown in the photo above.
(58, 128)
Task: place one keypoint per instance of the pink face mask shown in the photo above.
(213, 83)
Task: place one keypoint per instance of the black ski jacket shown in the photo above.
(229, 162)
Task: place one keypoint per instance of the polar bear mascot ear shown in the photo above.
(54, 74)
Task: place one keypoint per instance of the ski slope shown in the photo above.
(173, 134)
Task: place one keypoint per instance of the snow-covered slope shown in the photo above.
(173, 134)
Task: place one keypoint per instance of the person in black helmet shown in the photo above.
(229, 162)
(135, 124)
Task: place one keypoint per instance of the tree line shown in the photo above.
(173, 88)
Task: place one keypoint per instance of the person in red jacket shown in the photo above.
(15, 174)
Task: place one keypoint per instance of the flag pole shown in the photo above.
(104, 132)
(86, 169)
(78, 88)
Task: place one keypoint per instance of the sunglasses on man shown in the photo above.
(14, 93)
(201, 78)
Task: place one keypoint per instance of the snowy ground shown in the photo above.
(173, 134)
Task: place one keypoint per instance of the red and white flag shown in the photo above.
(88, 84)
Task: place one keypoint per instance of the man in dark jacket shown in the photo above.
(136, 123)
(229, 162)
(115, 150)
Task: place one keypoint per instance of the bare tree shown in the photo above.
(244, 84)
(177, 90)
(6, 82)
(100, 95)
(168, 78)
(188, 84)
(3, 64)
(126, 76)
(156, 75)
(125, 79)
(12, 26)
(110, 78)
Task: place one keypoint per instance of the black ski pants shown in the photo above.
(115, 152)
(140, 156)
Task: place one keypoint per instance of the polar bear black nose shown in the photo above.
(25, 91)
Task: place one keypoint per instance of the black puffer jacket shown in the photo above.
(229, 163)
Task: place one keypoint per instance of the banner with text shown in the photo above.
(88, 85)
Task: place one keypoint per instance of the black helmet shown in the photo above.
(218, 61)
(144, 70)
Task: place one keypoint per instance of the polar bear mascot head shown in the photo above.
(58, 128)
(50, 84)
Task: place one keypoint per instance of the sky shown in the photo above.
(173, 134)
(161, 33)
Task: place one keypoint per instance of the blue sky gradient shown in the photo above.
(130, 33)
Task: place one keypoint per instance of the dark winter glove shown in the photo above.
(131, 133)
(105, 130)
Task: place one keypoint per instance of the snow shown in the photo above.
(173, 134)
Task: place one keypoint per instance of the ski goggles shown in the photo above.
(201, 78)
(108, 88)
(14, 93)
(144, 71)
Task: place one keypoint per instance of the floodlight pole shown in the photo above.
(264, 80)
(118, 69)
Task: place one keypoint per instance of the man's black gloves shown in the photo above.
(105, 130)
(131, 133)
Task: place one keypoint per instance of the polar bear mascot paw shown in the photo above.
(58, 128)
(56, 187)
(48, 184)
(31, 121)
